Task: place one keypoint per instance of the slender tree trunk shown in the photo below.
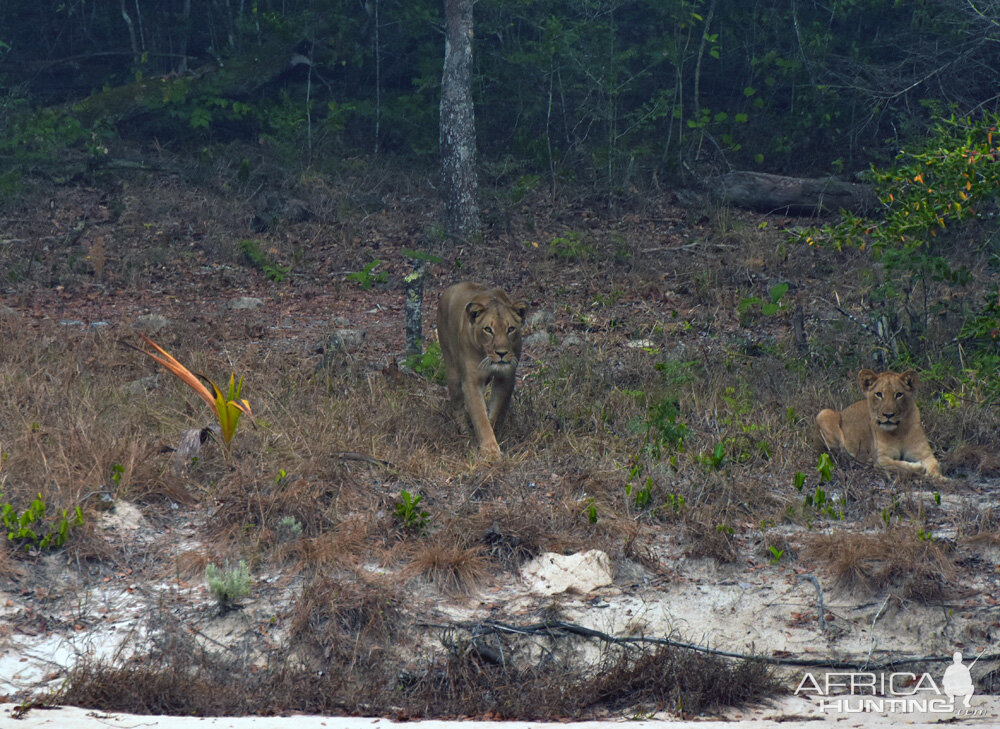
(458, 123)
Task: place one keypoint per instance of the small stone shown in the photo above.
(538, 339)
(552, 573)
(99, 324)
(346, 339)
(540, 319)
(246, 302)
(572, 340)
(151, 322)
(70, 323)
(140, 386)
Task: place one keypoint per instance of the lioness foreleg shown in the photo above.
(475, 404)
(502, 389)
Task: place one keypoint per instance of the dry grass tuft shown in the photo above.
(684, 682)
(449, 562)
(896, 559)
(351, 618)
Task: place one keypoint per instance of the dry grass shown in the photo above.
(897, 559)
(449, 562)
(333, 449)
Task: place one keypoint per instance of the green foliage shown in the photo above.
(825, 467)
(590, 511)
(367, 277)
(776, 554)
(429, 364)
(772, 306)
(571, 247)
(289, 528)
(228, 584)
(642, 496)
(31, 530)
(927, 197)
(262, 261)
(409, 514)
(662, 428)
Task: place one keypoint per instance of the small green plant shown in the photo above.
(776, 554)
(571, 247)
(772, 306)
(716, 459)
(28, 529)
(674, 504)
(925, 536)
(591, 511)
(937, 498)
(117, 470)
(228, 407)
(409, 514)
(262, 261)
(799, 480)
(643, 496)
(662, 429)
(367, 277)
(825, 467)
(429, 364)
(289, 528)
(228, 584)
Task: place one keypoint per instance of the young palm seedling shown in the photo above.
(227, 406)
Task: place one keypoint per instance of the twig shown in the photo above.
(875, 620)
(552, 627)
(819, 594)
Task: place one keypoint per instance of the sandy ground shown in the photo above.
(785, 714)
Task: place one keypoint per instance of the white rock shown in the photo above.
(552, 573)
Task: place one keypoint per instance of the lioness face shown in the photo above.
(497, 329)
(890, 396)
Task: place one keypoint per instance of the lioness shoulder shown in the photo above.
(479, 329)
(884, 428)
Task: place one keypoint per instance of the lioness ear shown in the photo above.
(866, 378)
(520, 308)
(474, 309)
(910, 380)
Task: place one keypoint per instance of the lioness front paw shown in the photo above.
(490, 452)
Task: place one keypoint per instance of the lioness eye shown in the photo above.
(488, 330)
(899, 395)
(878, 395)
(510, 330)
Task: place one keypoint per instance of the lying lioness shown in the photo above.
(884, 428)
(480, 334)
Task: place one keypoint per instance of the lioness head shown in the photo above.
(496, 326)
(890, 396)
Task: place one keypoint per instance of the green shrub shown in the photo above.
(30, 529)
(228, 584)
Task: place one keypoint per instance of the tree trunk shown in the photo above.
(458, 123)
(793, 195)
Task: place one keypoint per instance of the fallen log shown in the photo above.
(793, 195)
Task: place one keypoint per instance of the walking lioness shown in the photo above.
(884, 428)
(480, 333)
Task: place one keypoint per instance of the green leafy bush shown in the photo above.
(429, 364)
(30, 528)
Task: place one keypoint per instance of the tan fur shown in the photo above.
(884, 428)
(480, 334)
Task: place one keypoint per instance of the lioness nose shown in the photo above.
(501, 353)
